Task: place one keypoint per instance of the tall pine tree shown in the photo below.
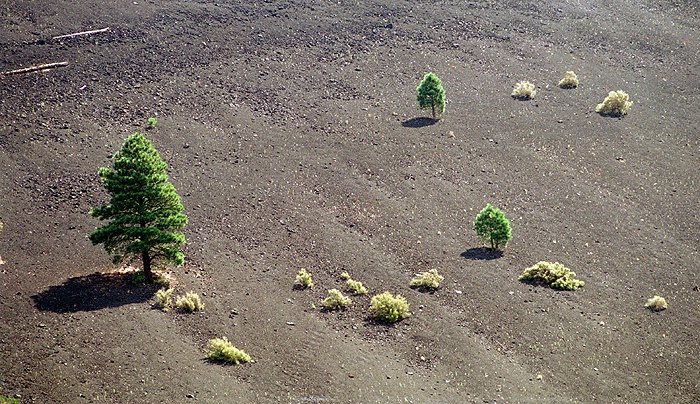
(145, 210)
(431, 95)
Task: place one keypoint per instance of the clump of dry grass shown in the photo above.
(569, 81)
(163, 299)
(656, 303)
(220, 349)
(553, 274)
(524, 90)
(427, 280)
(190, 302)
(387, 308)
(336, 300)
(304, 279)
(615, 104)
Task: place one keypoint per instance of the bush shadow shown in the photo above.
(93, 292)
(481, 253)
(419, 122)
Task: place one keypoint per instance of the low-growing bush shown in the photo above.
(615, 104)
(387, 308)
(345, 275)
(220, 349)
(657, 303)
(336, 300)
(554, 275)
(190, 302)
(304, 279)
(8, 400)
(138, 277)
(356, 287)
(427, 280)
(569, 81)
(524, 90)
(163, 299)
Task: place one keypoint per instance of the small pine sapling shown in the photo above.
(491, 225)
(431, 95)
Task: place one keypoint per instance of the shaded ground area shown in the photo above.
(293, 136)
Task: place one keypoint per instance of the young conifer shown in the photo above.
(491, 225)
(145, 210)
(431, 95)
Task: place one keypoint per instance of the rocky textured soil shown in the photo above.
(293, 137)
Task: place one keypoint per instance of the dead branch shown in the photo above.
(37, 68)
(95, 31)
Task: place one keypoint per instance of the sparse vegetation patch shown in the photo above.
(387, 308)
(336, 300)
(164, 299)
(569, 81)
(554, 275)
(491, 225)
(657, 303)
(190, 302)
(220, 349)
(428, 280)
(356, 287)
(617, 103)
(524, 90)
(304, 279)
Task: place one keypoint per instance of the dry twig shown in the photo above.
(37, 68)
(95, 31)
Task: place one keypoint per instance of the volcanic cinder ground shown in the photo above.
(292, 134)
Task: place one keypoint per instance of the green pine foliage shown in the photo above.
(145, 211)
(431, 95)
(554, 275)
(491, 225)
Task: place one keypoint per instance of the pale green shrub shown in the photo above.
(657, 303)
(555, 275)
(190, 302)
(387, 308)
(615, 104)
(524, 90)
(356, 287)
(569, 81)
(345, 275)
(428, 280)
(220, 349)
(336, 300)
(304, 279)
(8, 400)
(163, 299)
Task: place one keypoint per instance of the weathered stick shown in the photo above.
(37, 68)
(95, 31)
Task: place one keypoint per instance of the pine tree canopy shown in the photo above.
(145, 210)
(431, 95)
(491, 225)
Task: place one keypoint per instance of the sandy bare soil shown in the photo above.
(293, 136)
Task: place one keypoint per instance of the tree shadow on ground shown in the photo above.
(419, 122)
(93, 292)
(482, 253)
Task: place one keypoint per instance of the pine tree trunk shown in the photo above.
(433, 111)
(148, 274)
